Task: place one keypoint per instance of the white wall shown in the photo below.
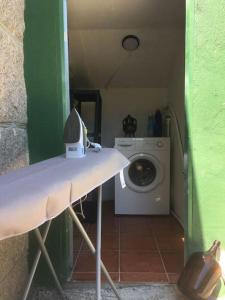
(117, 104)
(176, 102)
(97, 58)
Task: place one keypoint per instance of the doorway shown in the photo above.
(137, 79)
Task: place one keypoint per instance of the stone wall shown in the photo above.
(13, 136)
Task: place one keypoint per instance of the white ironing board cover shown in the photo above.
(30, 196)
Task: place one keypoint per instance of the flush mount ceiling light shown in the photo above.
(130, 42)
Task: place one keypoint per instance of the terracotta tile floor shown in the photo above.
(134, 248)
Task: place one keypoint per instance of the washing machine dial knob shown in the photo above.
(159, 144)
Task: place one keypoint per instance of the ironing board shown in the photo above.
(32, 196)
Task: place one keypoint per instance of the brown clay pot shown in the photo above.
(201, 274)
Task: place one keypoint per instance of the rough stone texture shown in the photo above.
(126, 291)
(13, 141)
(13, 149)
(11, 17)
(13, 106)
(13, 258)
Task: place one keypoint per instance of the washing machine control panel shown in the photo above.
(142, 144)
(125, 145)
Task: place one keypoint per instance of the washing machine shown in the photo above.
(147, 179)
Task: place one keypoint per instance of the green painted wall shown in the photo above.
(47, 83)
(205, 110)
(46, 76)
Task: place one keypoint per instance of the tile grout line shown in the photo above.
(78, 254)
(158, 250)
(160, 254)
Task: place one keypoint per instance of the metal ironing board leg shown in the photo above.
(98, 243)
(35, 263)
(99, 264)
(41, 240)
(48, 261)
(91, 247)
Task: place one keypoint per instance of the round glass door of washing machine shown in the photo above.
(144, 173)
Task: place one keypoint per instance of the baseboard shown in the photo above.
(176, 217)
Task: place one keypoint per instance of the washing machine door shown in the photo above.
(144, 173)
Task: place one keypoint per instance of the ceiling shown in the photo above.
(96, 28)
